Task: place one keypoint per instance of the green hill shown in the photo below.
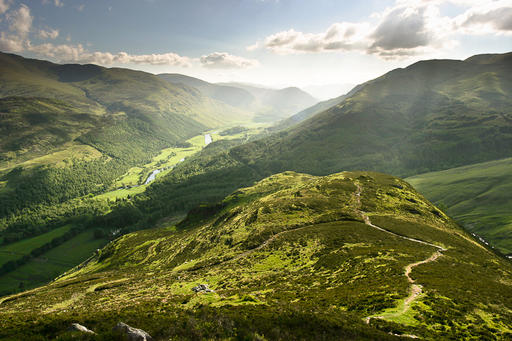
(479, 196)
(267, 105)
(231, 95)
(45, 104)
(86, 125)
(347, 256)
(70, 132)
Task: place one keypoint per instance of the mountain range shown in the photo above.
(267, 105)
(289, 233)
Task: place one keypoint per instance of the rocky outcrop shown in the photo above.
(130, 333)
(202, 288)
(76, 327)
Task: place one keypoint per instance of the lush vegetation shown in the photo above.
(479, 196)
(288, 258)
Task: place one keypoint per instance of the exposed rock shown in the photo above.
(76, 327)
(202, 288)
(132, 334)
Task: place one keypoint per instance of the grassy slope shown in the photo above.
(269, 105)
(231, 95)
(45, 105)
(135, 176)
(73, 130)
(479, 196)
(288, 258)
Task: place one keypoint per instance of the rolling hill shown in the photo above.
(45, 105)
(354, 255)
(70, 132)
(479, 196)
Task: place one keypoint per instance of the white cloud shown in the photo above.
(48, 34)
(78, 54)
(58, 3)
(20, 21)
(488, 18)
(339, 36)
(4, 6)
(223, 60)
(10, 43)
(410, 27)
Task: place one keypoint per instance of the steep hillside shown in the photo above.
(353, 255)
(479, 196)
(431, 115)
(231, 95)
(44, 105)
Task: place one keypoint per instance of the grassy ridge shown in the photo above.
(479, 196)
(293, 255)
(37, 221)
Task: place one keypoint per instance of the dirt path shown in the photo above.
(415, 289)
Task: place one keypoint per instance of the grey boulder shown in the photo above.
(76, 327)
(132, 334)
(202, 288)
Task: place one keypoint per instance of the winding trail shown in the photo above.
(415, 289)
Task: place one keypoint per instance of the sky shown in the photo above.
(323, 46)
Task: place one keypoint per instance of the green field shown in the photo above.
(49, 265)
(168, 158)
(24, 247)
(479, 196)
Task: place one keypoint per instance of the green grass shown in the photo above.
(52, 263)
(479, 196)
(24, 247)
